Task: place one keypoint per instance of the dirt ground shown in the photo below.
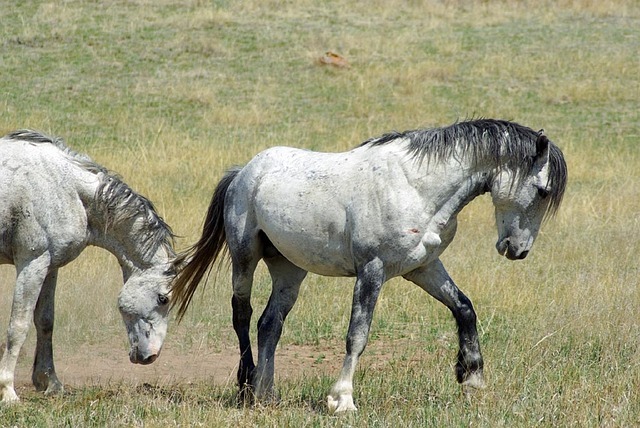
(108, 363)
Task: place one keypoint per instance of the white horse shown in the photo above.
(53, 203)
(387, 208)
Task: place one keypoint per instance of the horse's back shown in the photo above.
(41, 208)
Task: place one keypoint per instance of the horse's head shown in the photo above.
(522, 199)
(144, 305)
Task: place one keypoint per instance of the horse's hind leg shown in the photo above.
(286, 278)
(44, 373)
(242, 279)
(435, 280)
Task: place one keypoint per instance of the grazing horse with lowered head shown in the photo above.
(384, 209)
(53, 203)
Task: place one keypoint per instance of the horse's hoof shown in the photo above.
(340, 404)
(9, 396)
(47, 382)
(472, 384)
(474, 380)
(245, 396)
(270, 398)
(55, 388)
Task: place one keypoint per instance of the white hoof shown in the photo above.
(9, 396)
(474, 380)
(473, 384)
(341, 403)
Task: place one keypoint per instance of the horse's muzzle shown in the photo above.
(137, 357)
(509, 255)
(511, 252)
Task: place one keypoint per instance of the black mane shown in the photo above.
(506, 143)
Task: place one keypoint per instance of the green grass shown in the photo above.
(169, 94)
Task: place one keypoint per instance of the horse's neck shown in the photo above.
(129, 239)
(473, 186)
(451, 185)
(448, 184)
(130, 244)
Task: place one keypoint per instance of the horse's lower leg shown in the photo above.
(469, 363)
(286, 278)
(435, 280)
(245, 255)
(365, 296)
(242, 312)
(17, 333)
(340, 398)
(27, 289)
(44, 373)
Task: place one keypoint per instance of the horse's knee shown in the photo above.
(468, 314)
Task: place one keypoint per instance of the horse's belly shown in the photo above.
(326, 265)
(313, 251)
(318, 235)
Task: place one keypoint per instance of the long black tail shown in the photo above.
(194, 263)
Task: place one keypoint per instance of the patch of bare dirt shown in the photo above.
(108, 363)
(105, 363)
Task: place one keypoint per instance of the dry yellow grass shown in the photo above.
(170, 94)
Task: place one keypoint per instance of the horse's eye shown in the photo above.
(163, 299)
(543, 193)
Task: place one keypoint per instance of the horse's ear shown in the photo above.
(542, 143)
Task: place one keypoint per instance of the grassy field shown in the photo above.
(169, 94)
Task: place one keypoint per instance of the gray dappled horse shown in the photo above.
(53, 203)
(384, 209)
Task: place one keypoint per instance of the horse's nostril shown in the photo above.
(522, 255)
(150, 359)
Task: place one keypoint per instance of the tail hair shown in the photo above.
(193, 264)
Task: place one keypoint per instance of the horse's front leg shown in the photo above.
(435, 280)
(44, 373)
(28, 284)
(365, 296)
